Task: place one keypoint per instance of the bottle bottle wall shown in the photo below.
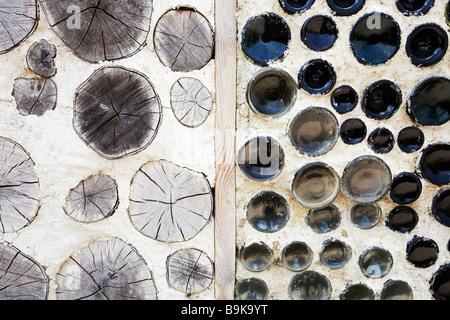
(383, 133)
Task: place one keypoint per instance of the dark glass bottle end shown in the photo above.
(296, 6)
(414, 7)
(381, 141)
(429, 103)
(410, 139)
(375, 38)
(353, 131)
(426, 45)
(346, 7)
(265, 38)
(317, 77)
(319, 33)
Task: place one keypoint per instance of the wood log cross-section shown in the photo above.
(184, 40)
(35, 96)
(21, 278)
(40, 58)
(19, 187)
(98, 30)
(93, 199)
(117, 112)
(18, 20)
(191, 102)
(189, 271)
(106, 270)
(169, 203)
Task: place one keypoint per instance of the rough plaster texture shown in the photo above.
(63, 160)
(349, 71)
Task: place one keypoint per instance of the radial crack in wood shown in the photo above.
(117, 112)
(169, 203)
(18, 20)
(98, 30)
(35, 96)
(40, 58)
(93, 199)
(19, 187)
(191, 102)
(184, 40)
(106, 270)
(21, 278)
(189, 271)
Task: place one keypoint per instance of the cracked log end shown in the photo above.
(19, 187)
(21, 278)
(184, 40)
(191, 102)
(99, 30)
(106, 270)
(94, 199)
(189, 271)
(35, 96)
(40, 58)
(169, 203)
(18, 20)
(117, 112)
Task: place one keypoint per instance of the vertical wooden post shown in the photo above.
(225, 57)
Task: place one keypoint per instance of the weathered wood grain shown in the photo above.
(106, 270)
(117, 112)
(191, 102)
(21, 278)
(93, 199)
(225, 187)
(184, 40)
(19, 187)
(35, 96)
(18, 20)
(189, 271)
(40, 58)
(98, 30)
(169, 203)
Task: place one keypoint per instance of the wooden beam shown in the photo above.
(225, 198)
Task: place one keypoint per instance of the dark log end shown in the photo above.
(117, 112)
(100, 30)
(40, 59)
(35, 96)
